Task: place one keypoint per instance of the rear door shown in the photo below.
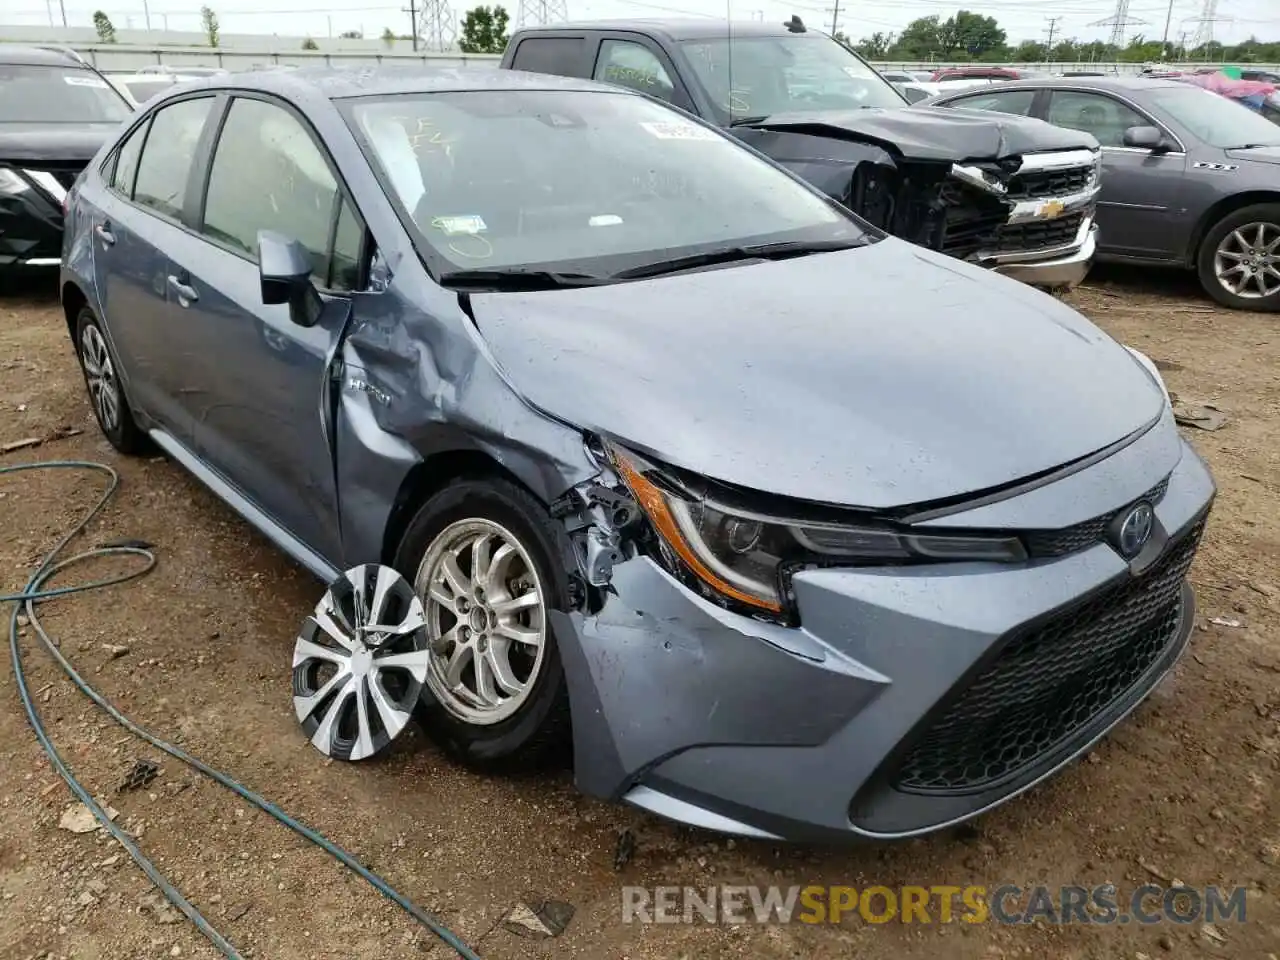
(258, 381)
(559, 54)
(137, 218)
(1139, 188)
(637, 62)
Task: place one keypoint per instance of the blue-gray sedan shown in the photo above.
(792, 528)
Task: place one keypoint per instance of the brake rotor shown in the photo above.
(359, 663)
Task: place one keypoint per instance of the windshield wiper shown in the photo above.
(1251, 146)
(762, 251)
(517, 279)
(744, 121)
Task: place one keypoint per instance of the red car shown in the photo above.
(978, 73)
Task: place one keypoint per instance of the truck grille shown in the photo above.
(1039, 235)
(1043, 184)
(1047, 684)
(1042, 544)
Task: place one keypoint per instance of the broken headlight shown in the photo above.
(743, 556)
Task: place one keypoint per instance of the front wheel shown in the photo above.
(1239, 260)
(481, 555)
(106, 393)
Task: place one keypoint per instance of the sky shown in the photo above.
(1021, 19)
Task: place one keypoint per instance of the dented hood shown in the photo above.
(933, 133)
(52, 142)
(878, 377)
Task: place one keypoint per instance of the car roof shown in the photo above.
(337, 83)
(1121, 85)
(31, 56)
(676, 29)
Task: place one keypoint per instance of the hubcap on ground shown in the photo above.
(100, 375)
(359, 663)
(486, 619)
(1247, 261)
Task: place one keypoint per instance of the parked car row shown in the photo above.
(658, 431)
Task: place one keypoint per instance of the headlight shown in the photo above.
(1151, 368)
(11, 183)
(743, 556)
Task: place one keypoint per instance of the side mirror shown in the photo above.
(1146, 138)
(284, 270)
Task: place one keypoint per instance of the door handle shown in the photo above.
(185, 292)
(103, 230)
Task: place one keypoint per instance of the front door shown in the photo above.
(1139, 187)
(259, 395)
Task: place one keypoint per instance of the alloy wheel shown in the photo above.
(1247, 261)
(486, 620)
(359, 663)
(100, 375)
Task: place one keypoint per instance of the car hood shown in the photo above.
(1256, 154)
(52, 142)
(935, 133)
(878, 377)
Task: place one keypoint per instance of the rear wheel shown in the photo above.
(481, 555)
(102, 379)
(1239, 261)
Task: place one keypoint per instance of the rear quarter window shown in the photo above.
(562, 56)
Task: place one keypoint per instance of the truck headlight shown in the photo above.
(743, 557)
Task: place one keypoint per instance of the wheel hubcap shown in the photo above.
(486, 621)
(359, 663)
(1247, 261)
(100, 376)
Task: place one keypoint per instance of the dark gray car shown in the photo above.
(804, 531)
(1190, 179)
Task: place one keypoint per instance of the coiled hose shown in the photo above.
(35, 590)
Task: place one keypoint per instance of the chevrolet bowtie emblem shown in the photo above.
(1051, 209)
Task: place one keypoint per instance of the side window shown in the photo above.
(1094, 113)
(348, 245)
(268, 174)
(165, 166)
(126, 165)
(633, 65)
(556, 55)
(1008, 101)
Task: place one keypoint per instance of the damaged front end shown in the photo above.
(31, 215)
(1030, 215)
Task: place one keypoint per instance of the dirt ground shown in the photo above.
(1184, 790)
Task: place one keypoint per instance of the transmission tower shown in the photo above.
(1208, 17)
(542, 11)
(436, 25)
(1119, 23)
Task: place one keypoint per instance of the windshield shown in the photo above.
(1215, 119)
(578, 182)
(39, 94)
(773, 75)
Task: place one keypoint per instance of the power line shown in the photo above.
(436, 25)
(542, 11)
(1206, 20)
(1118, 22)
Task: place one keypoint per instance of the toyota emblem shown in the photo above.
(1135, 530)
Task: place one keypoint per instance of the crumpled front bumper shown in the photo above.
(30, 227)
(721, 721)
(1062, 267)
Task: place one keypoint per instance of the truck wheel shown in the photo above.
(1239, 260)
(482, 556)
(106, 393)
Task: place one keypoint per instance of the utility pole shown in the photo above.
(412, 11)
(63, 7)
(1053, 28)
(835, 18)
(1164, 42)
(146, 13)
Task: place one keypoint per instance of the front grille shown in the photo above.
(1043, 184)
(1047, 684)
(1059, 543)
(1040, 234)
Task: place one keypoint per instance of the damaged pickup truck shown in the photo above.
(1005, 192)
(775, 560)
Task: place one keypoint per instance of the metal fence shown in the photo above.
(122, 57)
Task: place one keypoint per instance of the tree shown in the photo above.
(351, 35)
(209, 21)
(876, 46)
(1030, 51)
(972, 33)
(484, 30)
(106, 30)
(388, 37)
(309, 44)
(920, 40)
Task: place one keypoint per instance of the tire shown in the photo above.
(106, 394)
(537, 728)
(1222, 249)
